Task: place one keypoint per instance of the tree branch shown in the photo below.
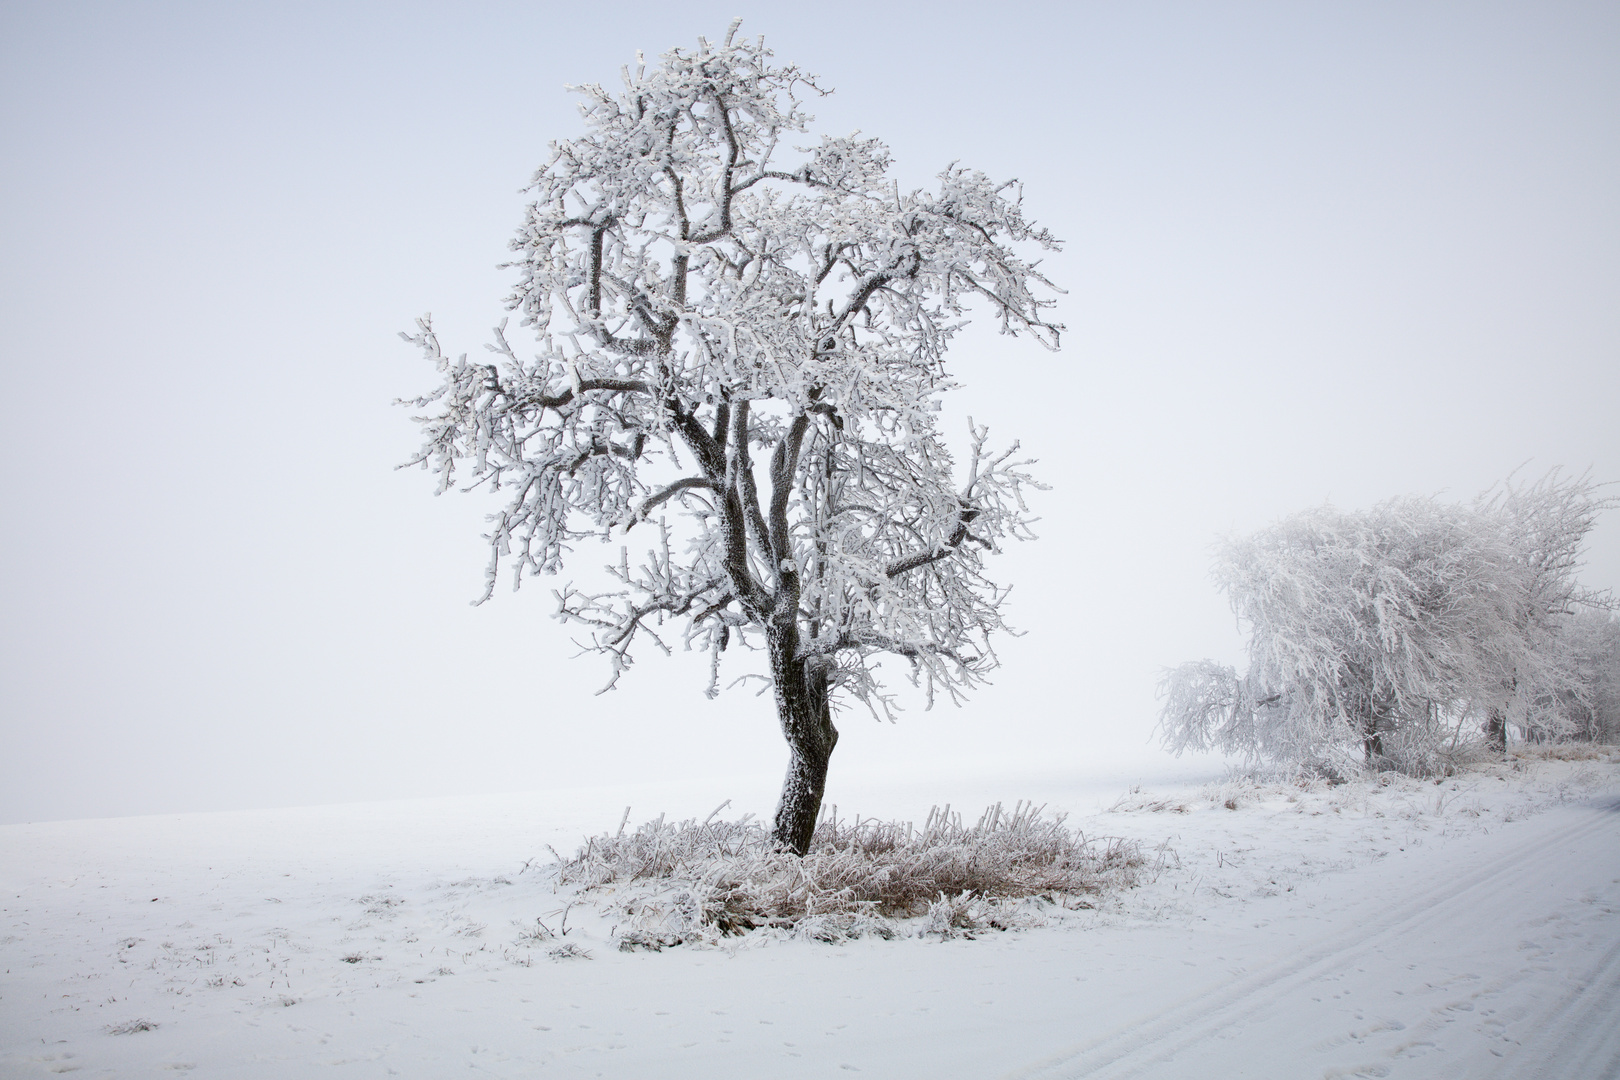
(668, 493)
(748, 490)
(784, 464)
(922, 558)
(547, 401)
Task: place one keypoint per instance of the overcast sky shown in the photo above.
(1314, 252)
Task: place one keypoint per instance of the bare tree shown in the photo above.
(754, 336)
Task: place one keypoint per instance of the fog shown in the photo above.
(1312, 253)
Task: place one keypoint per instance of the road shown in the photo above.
(1508, 969)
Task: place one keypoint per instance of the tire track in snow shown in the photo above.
(1580, 1039)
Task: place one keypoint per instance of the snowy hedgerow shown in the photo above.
(1387, 636)
(746, 328)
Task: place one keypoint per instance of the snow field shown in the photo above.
(1385, 928)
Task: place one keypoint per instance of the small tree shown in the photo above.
(759, 343)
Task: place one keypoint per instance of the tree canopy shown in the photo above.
(1384, 636)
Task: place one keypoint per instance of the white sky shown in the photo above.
(1314, 252)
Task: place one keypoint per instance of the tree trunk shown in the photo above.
(1372, 740)
(805, 713)
(1496, 730)
(1496, 718)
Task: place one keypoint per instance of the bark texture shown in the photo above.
(1372, 742)
(1496, 731)
(805, 713)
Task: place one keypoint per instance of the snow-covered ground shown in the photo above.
(1465, 928)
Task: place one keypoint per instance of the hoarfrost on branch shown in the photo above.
(740, 346)
(1385, 636)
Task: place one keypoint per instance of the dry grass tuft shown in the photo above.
(691, 882)
(1573, 751)
(1136, 800)
(131, 1027)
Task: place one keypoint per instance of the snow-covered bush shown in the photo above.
(692, 881)
(1391, 636)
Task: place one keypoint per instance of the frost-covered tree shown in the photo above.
(1544, 525)
(1593, 705)
(740, 345)
(1379, 636)
(1360, 625)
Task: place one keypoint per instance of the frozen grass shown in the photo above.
(1137, 799)
(1448, 799)
(698, 882)
(1573, 751)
